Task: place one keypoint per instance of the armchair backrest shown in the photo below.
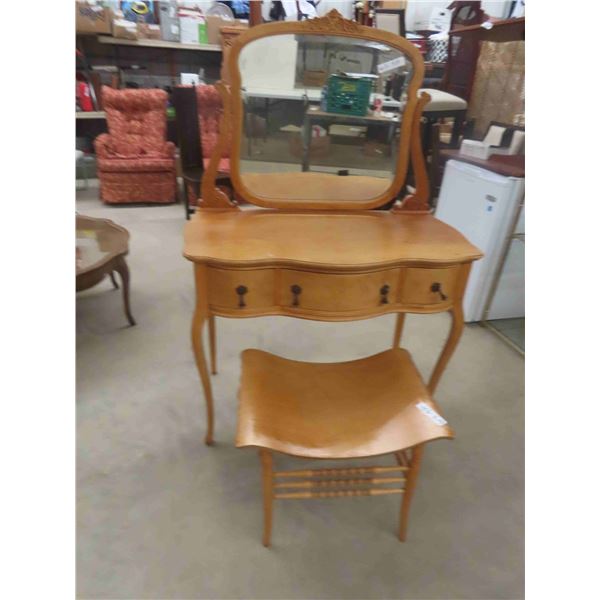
(210, 108)
(137, 120)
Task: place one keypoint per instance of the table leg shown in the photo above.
(398, 331)
(201, 314)
(114, 281)
(212, 339)
(197, 324)
(456, 330)
(122, 269)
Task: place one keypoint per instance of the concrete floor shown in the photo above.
(160, 515)
(513, 329)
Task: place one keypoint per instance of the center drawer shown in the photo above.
(337, 292)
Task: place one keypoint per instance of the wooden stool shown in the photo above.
(367, 407)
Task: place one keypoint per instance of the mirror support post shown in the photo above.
(212, 196)
(419, 201)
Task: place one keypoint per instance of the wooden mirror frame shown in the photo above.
(332, 24)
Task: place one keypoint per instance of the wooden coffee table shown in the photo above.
(101, 247)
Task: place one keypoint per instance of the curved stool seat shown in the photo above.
(368, 407)
(353, 409)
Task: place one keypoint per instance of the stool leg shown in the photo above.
(266, 459)
(409, 490)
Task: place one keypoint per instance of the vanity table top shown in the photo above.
(332, 240)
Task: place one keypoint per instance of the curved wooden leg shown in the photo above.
(122, 269)
(114, 280)
(266, 459)
(197, 324)
(398, 331)
(409, 490)
(212, 340)
(458, 323)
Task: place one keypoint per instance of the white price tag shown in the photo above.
(390, 65)
(429, 412)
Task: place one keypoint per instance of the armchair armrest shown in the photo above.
(103, 147)
(169, 150)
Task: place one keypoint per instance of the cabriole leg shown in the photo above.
(212, 340)
(122, 269)
(456, 330)
(197, 324)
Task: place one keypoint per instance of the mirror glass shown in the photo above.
(327, 108)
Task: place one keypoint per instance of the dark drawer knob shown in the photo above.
(384, 291)
(240, 290)
(436, 288)
(296, 291)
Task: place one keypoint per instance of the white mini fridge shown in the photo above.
(484, 207)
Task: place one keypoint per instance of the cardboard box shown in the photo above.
(148, 32)
(393, 4)
(92, 19)
(314, 78)
(125, 29)
(214, 25)
(213, 28)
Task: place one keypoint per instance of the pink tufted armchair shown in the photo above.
(210, 107)
(135, 162)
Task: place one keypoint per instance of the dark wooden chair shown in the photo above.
(190, 147)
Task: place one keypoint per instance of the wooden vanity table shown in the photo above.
(314, 247)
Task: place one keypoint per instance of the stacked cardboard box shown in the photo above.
(90, 18)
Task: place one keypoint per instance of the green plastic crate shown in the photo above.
(348, 95)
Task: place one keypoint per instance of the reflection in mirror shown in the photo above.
(328, 108)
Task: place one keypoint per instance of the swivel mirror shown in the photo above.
(322, 114)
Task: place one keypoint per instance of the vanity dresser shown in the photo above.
(334, 237)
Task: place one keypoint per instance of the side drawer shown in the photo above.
(338, 292)
(429, 286)
(224, 287)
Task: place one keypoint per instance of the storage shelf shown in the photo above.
(94, 114)
(105, 39)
